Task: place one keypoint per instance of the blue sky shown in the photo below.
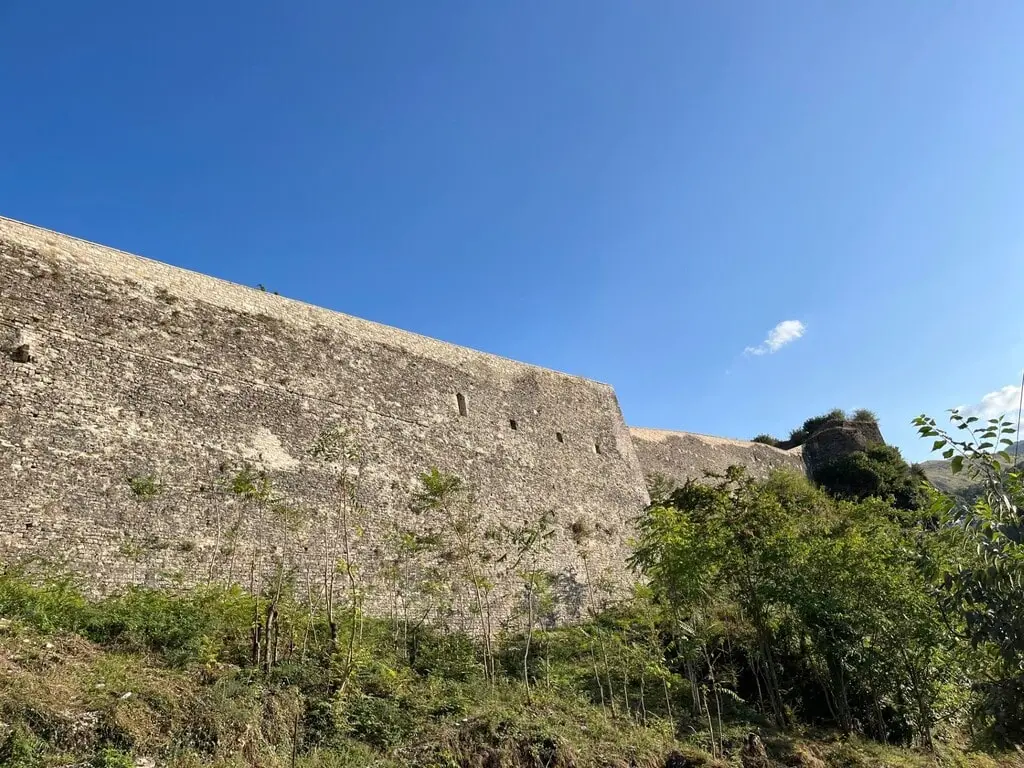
(634, 192)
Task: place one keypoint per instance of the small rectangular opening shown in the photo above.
(513, 423)
(597, 448)
(559, 437)
(461, 400)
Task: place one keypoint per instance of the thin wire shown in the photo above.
(1020, 409)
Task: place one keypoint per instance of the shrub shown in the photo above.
(452, 655)
(880, 471)
(767, 440)
(47, 605)
(863, 414)
(200, 626)
(144, 487)
(815, 423)
(21, 749)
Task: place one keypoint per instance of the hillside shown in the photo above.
(939, 473)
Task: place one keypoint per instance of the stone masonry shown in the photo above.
(131, 391)
(681, 456)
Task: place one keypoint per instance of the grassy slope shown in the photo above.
(941, 475)
(66, 701)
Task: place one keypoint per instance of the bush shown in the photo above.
(767, 440)
(815, 423)
(879, 472)
(21, 749)
(863, 414)
(47, 605)
(451, 655)
(201, 626)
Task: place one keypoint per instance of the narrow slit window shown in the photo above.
(559, 437)
(597, 448)
(461, 400)
(513, 424)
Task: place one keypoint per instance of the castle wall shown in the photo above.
(681, 456)
(115, 367)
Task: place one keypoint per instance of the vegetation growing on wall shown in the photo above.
(800, 435)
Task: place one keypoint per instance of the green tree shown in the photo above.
(983, 580)
(820, 599)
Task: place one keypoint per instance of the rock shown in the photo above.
(753, 754)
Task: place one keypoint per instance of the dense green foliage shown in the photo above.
(767, 439)
(171, 676)
(982, 583)
(806, 608)
(877, 472)
(770, 605)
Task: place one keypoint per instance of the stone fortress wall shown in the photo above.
(681, 456)
(115, 368)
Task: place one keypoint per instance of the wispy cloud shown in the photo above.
(782, 334)
(1002, 402)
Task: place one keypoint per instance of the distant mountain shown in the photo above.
(942, 477)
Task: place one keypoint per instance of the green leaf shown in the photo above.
(948, 453)
(939, 444)
(957, 464)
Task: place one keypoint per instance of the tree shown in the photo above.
(821, 600)
(469, 564)
(341, 526)
(982, 584)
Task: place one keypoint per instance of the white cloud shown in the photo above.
(1002, 402)
(782, 334)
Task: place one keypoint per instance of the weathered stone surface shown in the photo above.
(837, 439)
(139, 370)
(680, 456)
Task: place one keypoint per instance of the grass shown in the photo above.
(163, 679)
